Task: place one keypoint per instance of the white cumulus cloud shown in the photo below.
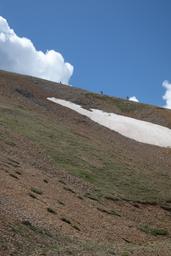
(133, 98)
(18, 54)
(167, 96)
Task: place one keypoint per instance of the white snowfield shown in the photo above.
(138, 130)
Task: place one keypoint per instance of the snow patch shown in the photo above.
(141, 131)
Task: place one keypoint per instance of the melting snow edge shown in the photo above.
(141, 131)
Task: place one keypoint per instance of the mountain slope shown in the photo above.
(72, 187)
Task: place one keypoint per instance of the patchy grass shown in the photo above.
(54, 242)
(69, 190)
(61, 203)
(14, 176)
(76, 227)
(110, 212)
(114, 167)
(153, 231)
(49, 209)
(32, 195)
(18, 172)
(45, 181)
(36, 191)
(79, 155)
(124, 106)
(125, 254)
(66, 220)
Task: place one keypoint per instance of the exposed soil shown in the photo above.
(71, 187)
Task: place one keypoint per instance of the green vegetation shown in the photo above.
(27, 225)
(36, 191)
(153, 231)
(31, 236)
(125, 254)
(124, 106)
(13, 175)
(32, 195)
(66, 220)
(93, 161)
(99, 216)
(45, 181)
(112, 212)
(51, 210)
(18, 172)
(61, 203)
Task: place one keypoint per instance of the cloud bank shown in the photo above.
(18, 54)
(133, 98)
(167, 96)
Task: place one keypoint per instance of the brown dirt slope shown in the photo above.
(71, 187)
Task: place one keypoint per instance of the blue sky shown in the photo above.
(119, 46)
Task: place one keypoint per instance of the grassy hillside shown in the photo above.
(91, 183)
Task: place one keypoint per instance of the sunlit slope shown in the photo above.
(141, 131)
(114, 164)
(71, 186)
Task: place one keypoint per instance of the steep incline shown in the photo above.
(132, 128)
(72, 187)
